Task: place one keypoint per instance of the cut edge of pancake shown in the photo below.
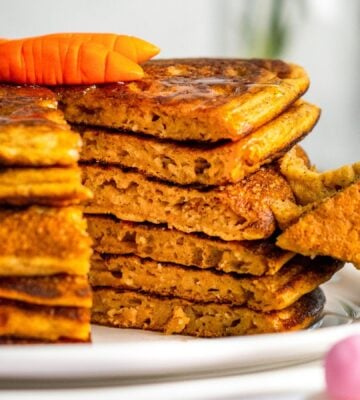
(128, 309)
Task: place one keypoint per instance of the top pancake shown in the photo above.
(32, 131)
(190, 99)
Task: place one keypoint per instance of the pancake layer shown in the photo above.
(233, 212)
(28, 321)
(127, 309)
(159, 243)
(193, 163)
(42, 186)
(54, 290)
(190, 99)
(43, 241)
(298, 277)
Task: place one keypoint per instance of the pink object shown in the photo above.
(342, 370)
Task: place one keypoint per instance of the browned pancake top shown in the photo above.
(202, 82)
(190, 99)
(29, 106)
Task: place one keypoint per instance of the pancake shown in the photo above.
(169, 245)
(234, 212)
(28, 321)
(32, 131)
(37, 146)
(201, 164)
(30, 100)
(42, 186)
(43, 241)
(11, 340)
(190, 99)
(331, 227)
(308, 184)
(55, 290)
(300, 276)
(128, 309)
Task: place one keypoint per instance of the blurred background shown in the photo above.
(321, 35)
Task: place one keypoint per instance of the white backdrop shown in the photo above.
(325, 41)
(186, 27)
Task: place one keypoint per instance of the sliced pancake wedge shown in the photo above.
(240, 211)
(331, 227)
(32, 131)
(53, 290)
(28, 321)
(300, 276)
(310, 185)
(127, 309)
(201, 164)
(43, 241)
(159, 243)
(190, 99)
(42, 186)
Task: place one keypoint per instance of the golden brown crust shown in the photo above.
(267, 293)
(169, 245)
(234, 212)
(28, 321)
(128, 309)
(55, 290)
(190, 99)
(42, 241)
(42, 186)
(190, 163)
(330, 228)
(32, 100)
(32, 131)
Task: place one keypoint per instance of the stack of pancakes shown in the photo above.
(44, 247)
(183, 167)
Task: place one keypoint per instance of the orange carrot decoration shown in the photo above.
(137, 50)
(73, 58)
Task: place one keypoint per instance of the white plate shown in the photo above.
(136, 355)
